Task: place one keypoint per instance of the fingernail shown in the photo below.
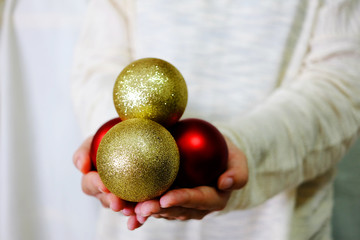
(126, 212)
(78, 162)
(145, 213)
(164, 203)
(227, 183)
(103, 189)
(113, 206)
(141, 219)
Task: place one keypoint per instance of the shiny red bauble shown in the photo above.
(203, 153)
(99, 136)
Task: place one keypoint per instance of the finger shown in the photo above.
(81, 157)
(236, 175)
(141, 219)
(103, 198)
(201, 198)
(133, 223)
(109, 200)
(147, 208)
(92, 185)
(180, 213)
(129, 209)
(116, 204)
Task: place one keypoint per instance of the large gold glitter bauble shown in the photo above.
(138, 160)
(150, 88)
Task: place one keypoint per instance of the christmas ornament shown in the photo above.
(203, 153)
(98, 136)
(138, 160)
(150, 88)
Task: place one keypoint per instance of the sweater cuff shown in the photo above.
(239, 199)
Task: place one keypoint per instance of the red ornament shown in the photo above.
(203, 153)
(98, 137)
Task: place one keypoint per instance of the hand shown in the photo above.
(196, 203)
(93, 186)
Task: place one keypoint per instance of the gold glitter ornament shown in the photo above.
(138, 160)
(150, 88)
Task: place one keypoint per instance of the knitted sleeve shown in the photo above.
(103, 50)
(305, 126)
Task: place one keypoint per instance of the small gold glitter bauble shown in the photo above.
(150, 88)
(138, 160)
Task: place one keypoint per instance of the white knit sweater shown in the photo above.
(281, 79)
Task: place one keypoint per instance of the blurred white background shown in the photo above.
(40, 193)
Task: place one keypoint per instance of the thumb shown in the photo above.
(81, 157)
(236, 175)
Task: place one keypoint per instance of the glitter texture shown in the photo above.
(150, 88)
(138, 160)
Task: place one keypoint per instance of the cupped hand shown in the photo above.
(177, 204)
(92, 185)
(196, 203)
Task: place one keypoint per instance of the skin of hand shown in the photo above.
(196, 203)
(177, 204)
(93, 186)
